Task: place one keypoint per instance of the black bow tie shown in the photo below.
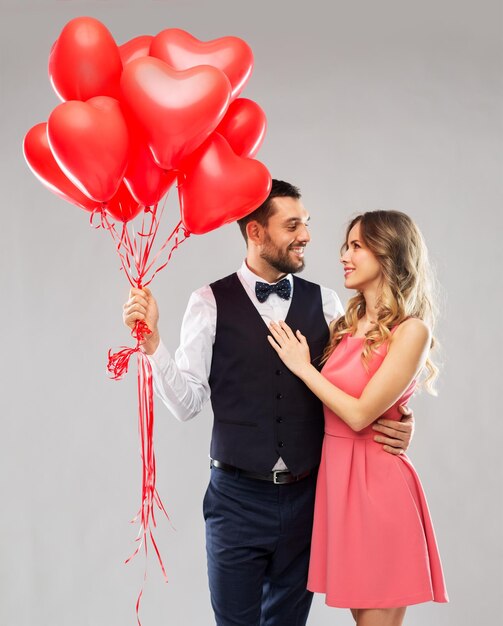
(263, 290)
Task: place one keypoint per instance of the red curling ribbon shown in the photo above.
(140, 263)
(118, 365)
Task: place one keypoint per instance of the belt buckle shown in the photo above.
(276, 473)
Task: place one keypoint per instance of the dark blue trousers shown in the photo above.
(258, 538)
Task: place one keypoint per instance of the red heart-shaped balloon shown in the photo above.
(85, 61)
(146, 181)
(217, 186)
(182, 51)
(244, 127)
(90, 143)
(42, 163)
(177, 110)
(123, 207)
(135, 48)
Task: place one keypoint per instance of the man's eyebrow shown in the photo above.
(297, 219)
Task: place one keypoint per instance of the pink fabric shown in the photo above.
(373, 541)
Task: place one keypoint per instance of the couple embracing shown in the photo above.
(309, 488)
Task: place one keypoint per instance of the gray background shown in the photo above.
(390, 104)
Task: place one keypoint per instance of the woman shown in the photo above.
(373, 547)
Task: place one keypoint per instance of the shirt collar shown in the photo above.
(251, 278)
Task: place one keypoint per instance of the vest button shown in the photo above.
(281, 444)
(279, 420)
(279, 396)
(279, 372)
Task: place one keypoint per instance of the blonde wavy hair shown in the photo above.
(407, 288)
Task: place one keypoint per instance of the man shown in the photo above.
(268, 427)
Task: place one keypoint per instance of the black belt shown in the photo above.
(278, 477)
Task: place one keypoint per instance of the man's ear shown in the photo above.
(255, 232)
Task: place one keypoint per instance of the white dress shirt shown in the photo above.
(182, 383)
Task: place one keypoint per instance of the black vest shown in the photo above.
(262, 410)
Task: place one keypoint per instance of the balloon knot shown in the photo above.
(118, 362)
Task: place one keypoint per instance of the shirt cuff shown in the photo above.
(161, 357)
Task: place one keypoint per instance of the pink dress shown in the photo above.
(373, 541)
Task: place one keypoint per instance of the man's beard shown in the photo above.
(281, 261)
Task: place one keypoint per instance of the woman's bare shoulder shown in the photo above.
(412, 329)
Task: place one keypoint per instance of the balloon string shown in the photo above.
(135, 252)
(118, 365)
(92, 217)
(147, 239)
(142, 239)
(150, 237)
(175, 245)
(136, 249)
(122, 242)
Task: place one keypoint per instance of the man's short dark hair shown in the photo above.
(279, 189)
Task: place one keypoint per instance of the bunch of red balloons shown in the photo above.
(136, 118)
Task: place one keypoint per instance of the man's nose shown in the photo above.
(304, 234)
